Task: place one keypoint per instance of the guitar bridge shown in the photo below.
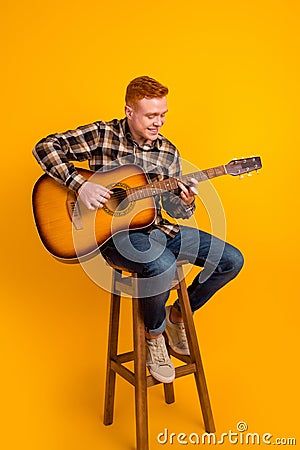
(74, 211)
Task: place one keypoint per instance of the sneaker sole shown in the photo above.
(161, 378)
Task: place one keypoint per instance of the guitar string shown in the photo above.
(146, 187)
(160, 190)
(124, 194)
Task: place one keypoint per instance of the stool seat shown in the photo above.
(125, 281)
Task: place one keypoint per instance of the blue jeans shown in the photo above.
(153, 256)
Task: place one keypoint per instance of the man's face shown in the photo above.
(146, 118)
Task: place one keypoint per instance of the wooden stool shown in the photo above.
(115, 362)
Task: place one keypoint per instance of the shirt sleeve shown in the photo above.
(171, 201)
(55, 153)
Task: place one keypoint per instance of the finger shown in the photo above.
(183, 196)
(101, 190)
(188, 191)
(107, 194)
(186, 197)
(183, 188)
(95, 204)
(106, 190)
(193, 187)
(103, 199)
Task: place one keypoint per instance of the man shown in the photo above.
(152, 252)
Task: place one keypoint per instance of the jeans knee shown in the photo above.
(236, 259)
(232, 260)
(239, 260)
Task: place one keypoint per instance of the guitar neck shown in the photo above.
(171, 184)
(203, 175)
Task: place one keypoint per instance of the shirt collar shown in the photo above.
(126, 131)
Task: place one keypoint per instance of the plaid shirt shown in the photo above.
(105, 145)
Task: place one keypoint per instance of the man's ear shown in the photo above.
(128, 111)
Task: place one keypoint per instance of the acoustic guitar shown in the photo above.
(71, 232)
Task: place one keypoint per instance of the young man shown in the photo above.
(152, 252)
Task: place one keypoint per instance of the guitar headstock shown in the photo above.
(243, 165)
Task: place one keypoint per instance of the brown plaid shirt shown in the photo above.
(106, 145)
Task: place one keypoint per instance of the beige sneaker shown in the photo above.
(158, 361)
(176, 335)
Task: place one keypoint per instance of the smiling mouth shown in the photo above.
(153, 130)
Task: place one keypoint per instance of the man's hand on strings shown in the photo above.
(188, 193)
(94, 195)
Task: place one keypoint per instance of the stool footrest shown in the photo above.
(187, 369)
(124, 372)
(125, 357)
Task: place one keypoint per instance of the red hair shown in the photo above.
(142, 87)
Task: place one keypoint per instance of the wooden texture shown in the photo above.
(141, 407)
(54, 223)
(195, 357)
(111, 357)
(138, 377)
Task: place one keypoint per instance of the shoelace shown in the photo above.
(181, 333)
(160, 353)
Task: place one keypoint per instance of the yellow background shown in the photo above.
(233, 72)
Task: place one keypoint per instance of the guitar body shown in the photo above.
(70, 231)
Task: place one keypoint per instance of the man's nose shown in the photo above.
(158, 122)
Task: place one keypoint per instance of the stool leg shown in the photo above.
(141, 409)
(195, 353)
(111, 355)
(169, 393)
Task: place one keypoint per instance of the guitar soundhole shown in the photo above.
(118, 203)
(118, 200)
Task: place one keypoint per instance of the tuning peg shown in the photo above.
(241, 176)
(257, 171)
(249, 174)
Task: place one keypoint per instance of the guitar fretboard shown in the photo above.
(171, 184)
